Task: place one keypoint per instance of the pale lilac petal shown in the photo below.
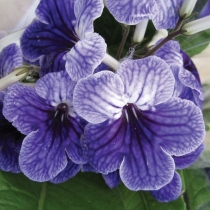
(131, 12)
(86, 11)
(169, 192)
(85, 56)
(147, 81)
(112, 179)
(25, 108)
(170, 53)
(188, 159)
(10, 58)
(168, 14)
(59, 87)
(70, 171)
(99, 97)
(42, 155)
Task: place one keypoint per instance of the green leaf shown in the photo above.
(197, 189)
(196, 43)
(85, 191)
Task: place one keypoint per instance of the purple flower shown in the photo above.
(164, 14)
(10, 58)
(135, 125)
(62, 37)
(10, 143)
(10, 137)
(187, 85)
(205, 11)
(46, 115)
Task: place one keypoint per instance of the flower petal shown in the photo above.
(99, 97)
(59, 87)
(10, 58)
(170, 53)
(117, 145)
(86, 11)
(10, 143)
(70, 171)
(42, 155)
(131, 12)
(178, 126)
(25, 108)
(184, 161)
(112, 179)
(85, 56)
(148, 81)
(168, 14)
(169, 192)
(205, 11)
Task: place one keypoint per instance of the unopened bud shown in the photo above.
(111, 62)
(187, 8)
(15, 76)
(140, 31)
(196, 26)
(160, 34)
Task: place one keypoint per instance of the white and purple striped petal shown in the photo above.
(86, 11)
(10, 58)
(147, 81)
(131, 12)
(99, 97)
(169, 192)
(85, 56)
(168, 14)
(25, 109)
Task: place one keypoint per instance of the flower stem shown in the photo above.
(125, 35)
(168, 38)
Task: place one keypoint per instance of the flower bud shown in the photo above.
(196, 26)
(15, 76)
(160, 34)
(111, 62)
(187, 8)
(140, 31)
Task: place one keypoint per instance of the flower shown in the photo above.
(135, 125)
(187, 81)
(62, 37)
(10, 137)
(164, 14)
(52, 128)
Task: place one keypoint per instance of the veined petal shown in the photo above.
(25, 108)
(70, 171)
(178, 126)
(131, 12)
(59, 88)
(10, 143)
(86, 11)
(147, 81)
(112, 179)
(10, 58)
(99, 97)
(170, 53)
(85, 56)
(42, 155)
(168, 14)
(205, 11)
(184, 161)
(169, 192)
(143, 165)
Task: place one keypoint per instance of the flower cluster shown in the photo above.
(133, 120)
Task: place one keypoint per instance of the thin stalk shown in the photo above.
(125, 35)
(168, 38)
